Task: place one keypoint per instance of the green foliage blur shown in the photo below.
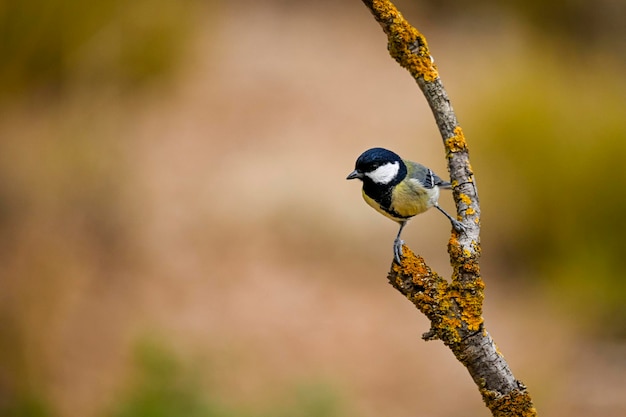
(48, 46)
(165, 387)
(552, 141)
(26, 407)
(577, 24)
(63, 210)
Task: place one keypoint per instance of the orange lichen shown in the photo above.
(516, 403)
(412, 265)
(456, 143)
(448, 328)
(406, 44)
(471, 312)
(451, 308)
(454, 241)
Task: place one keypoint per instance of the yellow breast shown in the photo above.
(408, 199)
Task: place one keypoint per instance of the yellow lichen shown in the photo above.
(402, 37)
(451, 323)
(472, 319)
(465, 199)
(457, 142)
(469, 211)
(516, 403)
(452, 309)
(454, 241)
(470, 303)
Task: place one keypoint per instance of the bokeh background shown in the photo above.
(177, 237)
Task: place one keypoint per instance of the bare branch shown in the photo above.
(454, 309)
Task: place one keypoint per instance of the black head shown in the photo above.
(372, 159)
(375, 157)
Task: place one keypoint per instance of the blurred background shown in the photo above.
(177, 236)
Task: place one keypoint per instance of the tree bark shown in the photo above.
(453, 308)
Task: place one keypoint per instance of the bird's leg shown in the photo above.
(458, 226)
(397, 245)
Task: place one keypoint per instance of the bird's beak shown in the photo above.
(354, 174)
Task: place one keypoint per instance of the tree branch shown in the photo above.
(454, 309)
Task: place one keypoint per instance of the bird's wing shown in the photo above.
(426, 177)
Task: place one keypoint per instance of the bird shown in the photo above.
(399, 189)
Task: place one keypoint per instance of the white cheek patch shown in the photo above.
(384, 174)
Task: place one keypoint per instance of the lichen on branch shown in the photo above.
(406, 44)
(453, 308)
(453, 311)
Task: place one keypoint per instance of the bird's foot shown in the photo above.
(397, 250)
(459, 227)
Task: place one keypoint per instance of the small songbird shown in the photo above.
(399, 189)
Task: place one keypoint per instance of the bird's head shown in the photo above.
(379, 166)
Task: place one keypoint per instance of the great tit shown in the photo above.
(399, 189)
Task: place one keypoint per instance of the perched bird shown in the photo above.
(399, 189)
